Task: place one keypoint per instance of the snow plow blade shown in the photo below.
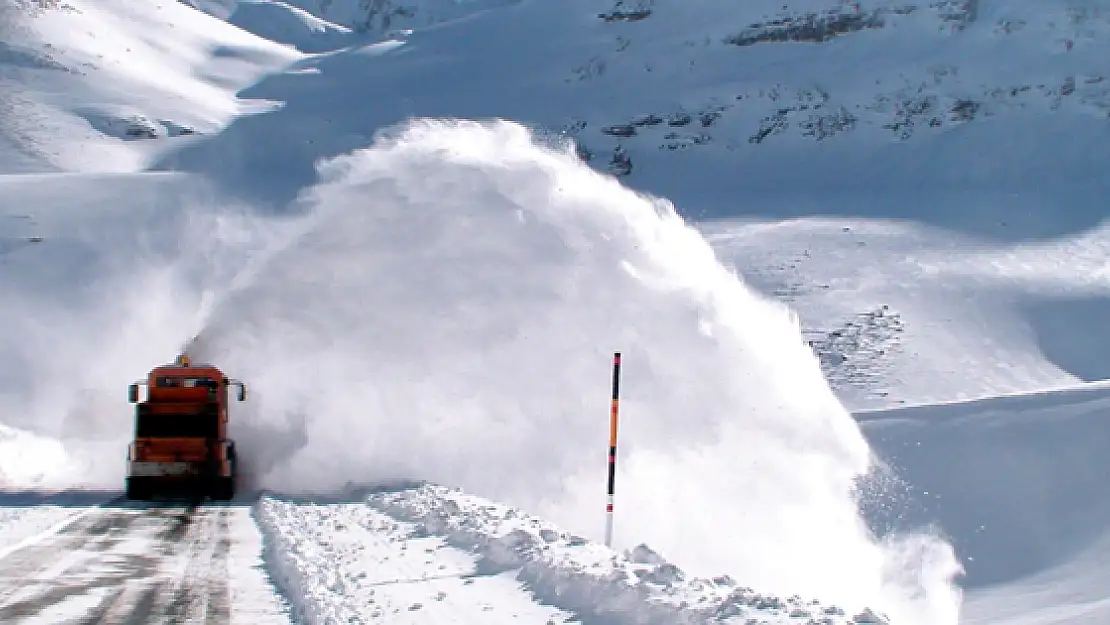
(149, 480)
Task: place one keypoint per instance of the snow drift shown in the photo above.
(104, 296)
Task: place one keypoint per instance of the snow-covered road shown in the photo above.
(127, 563)
(123, 564)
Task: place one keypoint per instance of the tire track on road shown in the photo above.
(124, 564)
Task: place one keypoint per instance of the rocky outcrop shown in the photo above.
(808, 27)
(629, 11)
(823, 26)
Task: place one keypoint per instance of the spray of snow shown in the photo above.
(448, 313)
(445, 308)
(107, 295)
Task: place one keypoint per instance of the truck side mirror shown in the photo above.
(133, 393)
(242, 391)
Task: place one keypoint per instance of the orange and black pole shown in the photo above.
(613, 410)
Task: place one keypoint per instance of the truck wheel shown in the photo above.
(223, 489)
(136, 489)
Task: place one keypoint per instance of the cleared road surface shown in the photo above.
(124, 563)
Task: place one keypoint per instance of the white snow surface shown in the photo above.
(388, 17)
(24, 523)
(28, 520)
(288, 24)
(1015, 480)
(904, 220)
(106, 85)
(903, 313)
(432, 554)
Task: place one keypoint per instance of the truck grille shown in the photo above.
(204, 423)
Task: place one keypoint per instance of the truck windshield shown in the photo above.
(177, 426)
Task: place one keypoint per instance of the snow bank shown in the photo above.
(594, 582)
(347, 562)
(381, 557)
(288, 569)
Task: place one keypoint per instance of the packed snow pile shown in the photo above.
(349, 563)
(340, 559)
(585, 577)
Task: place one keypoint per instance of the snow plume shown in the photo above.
(110, 292)
(445, 307)
(448, 311)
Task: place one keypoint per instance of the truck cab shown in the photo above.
(180, 437)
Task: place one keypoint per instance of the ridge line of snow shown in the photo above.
(286, 573)
(1084, 388)
(634, 587)
(559, 585)
(552, 568)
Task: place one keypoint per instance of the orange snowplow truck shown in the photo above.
(181, 441)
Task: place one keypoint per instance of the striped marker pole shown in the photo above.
(612, 448)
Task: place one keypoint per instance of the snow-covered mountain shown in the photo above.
(372, 17)
(991, 113)
(82, 84)
(921, 183)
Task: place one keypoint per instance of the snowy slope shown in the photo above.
(904, 313)
(104, 86)
(1018, 483)
(290, 25)
(594, 75)
(389, 17)
(969, 124)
